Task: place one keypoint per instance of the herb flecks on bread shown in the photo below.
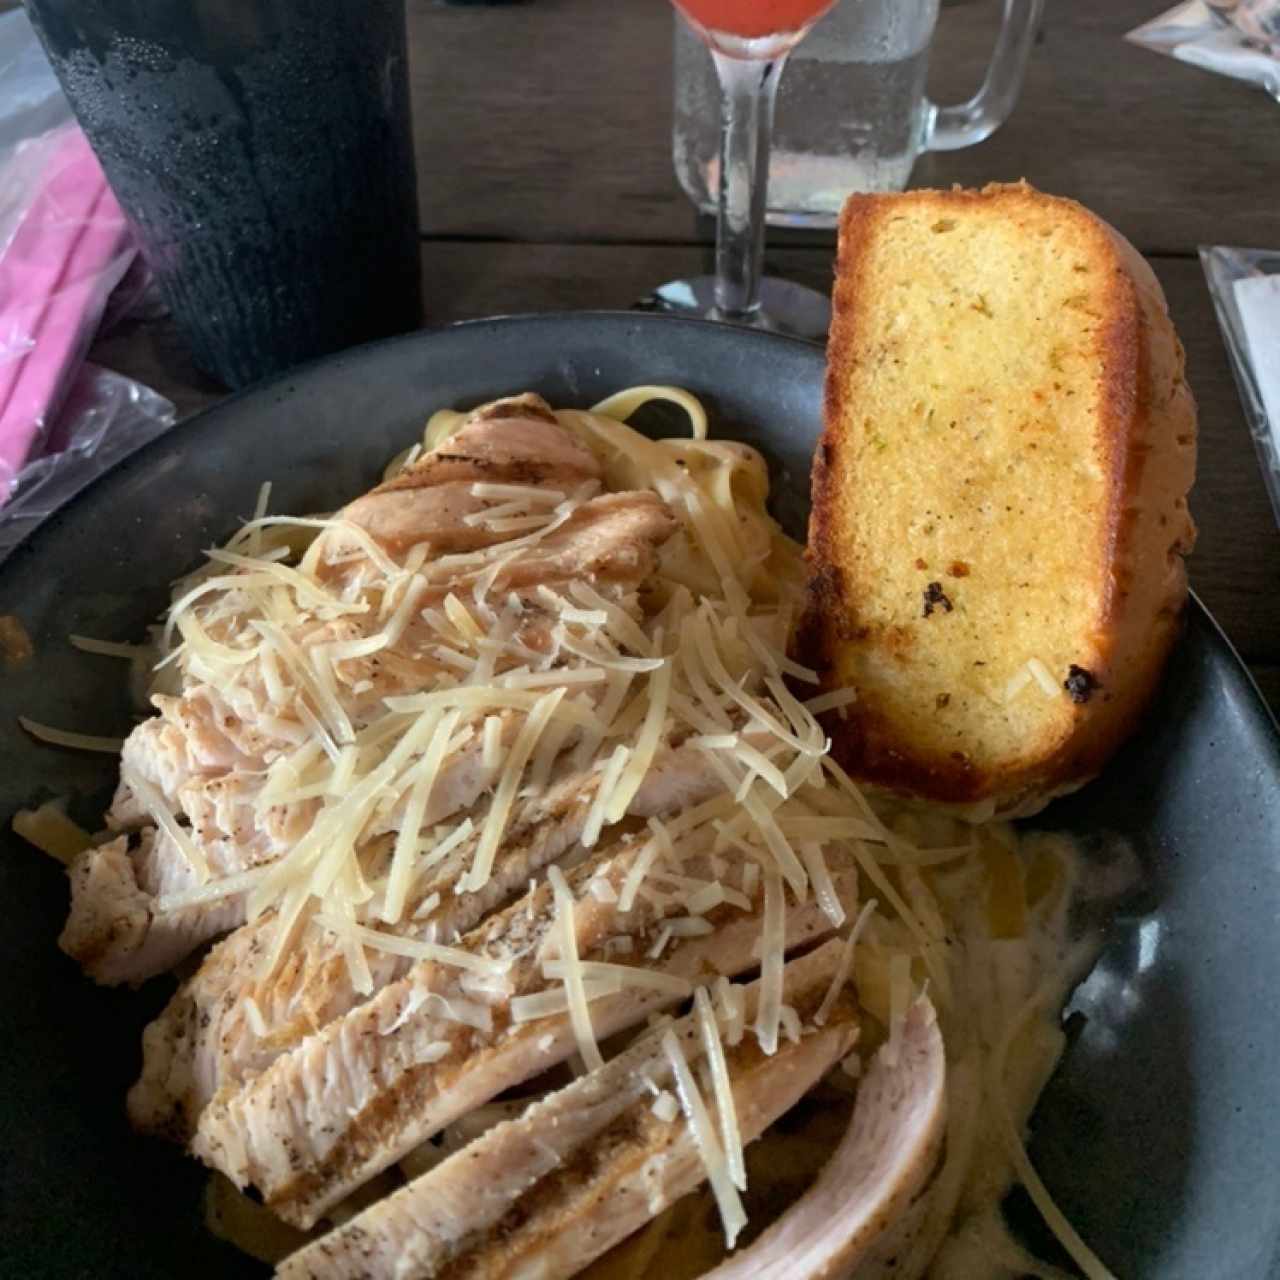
(999, 496)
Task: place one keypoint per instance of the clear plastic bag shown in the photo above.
(33, 102)
(67, 248)
(1245, 286)
(64, 249)
(106, 417)
(1232, 37)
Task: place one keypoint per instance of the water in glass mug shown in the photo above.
(851, 114)
(848, 115)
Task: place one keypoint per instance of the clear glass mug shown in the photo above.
(852, 113)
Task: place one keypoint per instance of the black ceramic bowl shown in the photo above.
(1159, 1135)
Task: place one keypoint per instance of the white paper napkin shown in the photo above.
(1189, 33)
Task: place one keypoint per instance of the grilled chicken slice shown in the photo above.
(901, 1251)
(207, 1038)
(210, 776)
(545, 1193)
(109, 930)
(612, 537)
(430, 500)
(369, 1087)
(186, 741)
(113, 929)
(882, 1163)
(511, 441)
(227, 829)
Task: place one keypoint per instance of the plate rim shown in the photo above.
(231, 399)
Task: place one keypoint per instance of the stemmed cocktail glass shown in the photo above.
(749, 42)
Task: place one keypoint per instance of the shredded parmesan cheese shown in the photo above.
(773, 947)
(789, 1020)
(845, 965)
(1040, 674)
(210, 891)
(624, 975)
(836, 700)
(641, 758)
(660, 943)
(495, 822)
(823, 888)
(51, 831)
(600, 804)
(253, 1016)
(409, 837)
(733, 1216)
(110, 649)
(710, 896)
(689, 927)
(665, 1107)
(65, 738)
(426, 906)
(163, 817)
(566, 935)
(730, 1132)
(437, 853)
(733, 1009)
(414, 949)
(899, 1001)
(522, 493)
(602, 891)
(556, 1000)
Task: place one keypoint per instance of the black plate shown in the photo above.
(1160, 1135)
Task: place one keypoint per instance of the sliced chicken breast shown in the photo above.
(376, 1083)
(233, 837)
(511, 441)
(546, 1193)
(205, 747)
(114, 930)
(209, 1038)
(884, 1160)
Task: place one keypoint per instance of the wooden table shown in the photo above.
(543, 144)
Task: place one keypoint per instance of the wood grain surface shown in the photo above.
(551, 121)
(543, 143)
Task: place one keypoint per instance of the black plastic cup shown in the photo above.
(262, 151)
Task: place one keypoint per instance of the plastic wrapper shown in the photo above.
(1245, 286)
(64, 247)
(66, 259)
(1238, 38)
(32, 102)
(67, 248)
(105, 417)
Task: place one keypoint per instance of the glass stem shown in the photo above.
(747, 92)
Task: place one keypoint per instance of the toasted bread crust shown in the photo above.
(1143, 441)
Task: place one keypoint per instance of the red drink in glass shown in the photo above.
(751, 19)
